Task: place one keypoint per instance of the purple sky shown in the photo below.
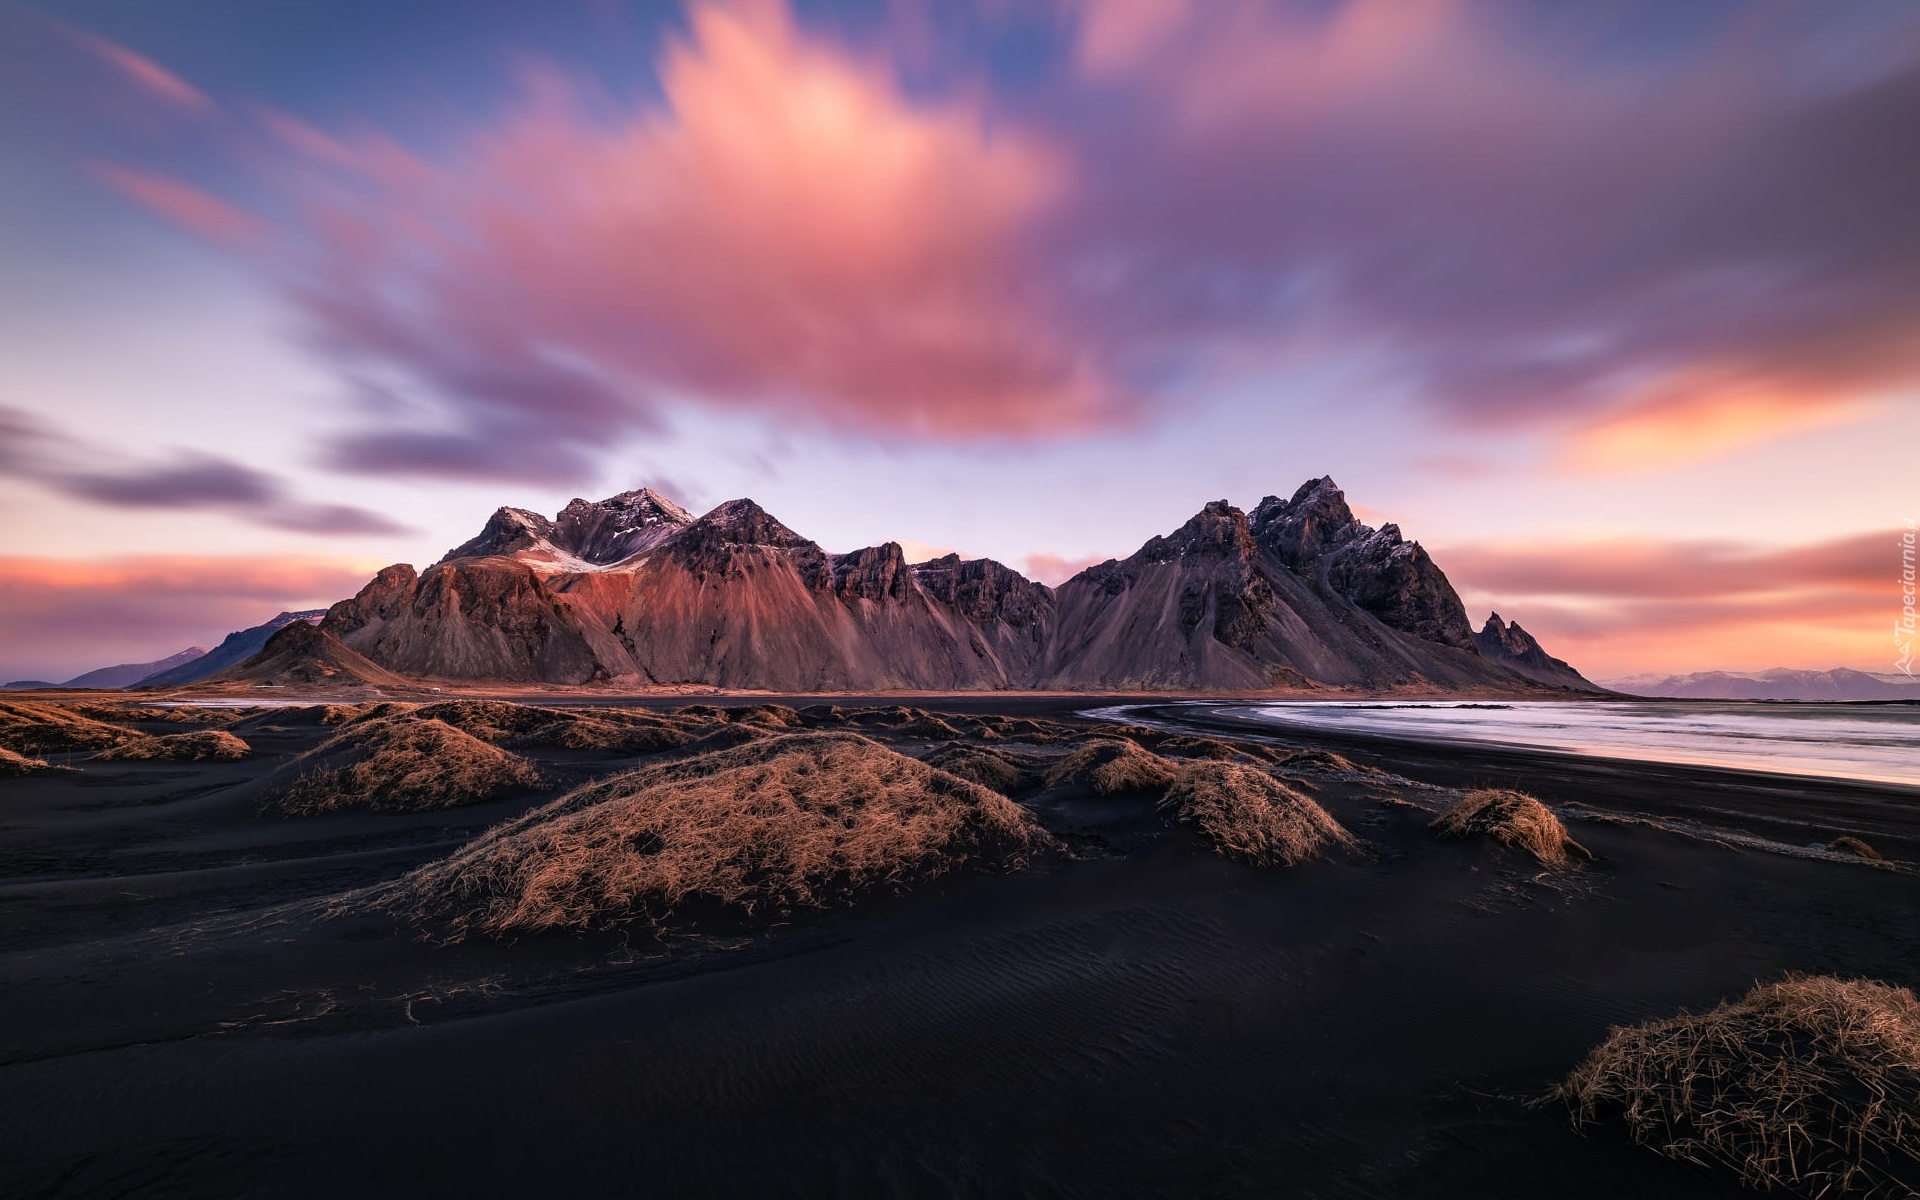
(1615, 306)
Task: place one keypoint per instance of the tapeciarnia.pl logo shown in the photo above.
(1903, 629)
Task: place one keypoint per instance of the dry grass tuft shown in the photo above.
(35, 729)
(1319, 760)
(1810, 1083)
(13, 766)
(786, 822)
(1513, 819)
(203, 745)
(931, 727)
(1108, 766)
(1199, 747)
(1001, 770)
(617, 736)
(772, 716)
(118, 712)
(1847, 844)
(1249, 815)
(492, 720)
(398, 764)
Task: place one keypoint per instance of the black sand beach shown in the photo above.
(185, 1009)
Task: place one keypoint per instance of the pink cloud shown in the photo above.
(1626, 606)
(787, 233)
(180, 203)
(142, 72)
(1054, 570)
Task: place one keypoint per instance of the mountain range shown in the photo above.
(121, 675)
(635, 591)
(1781, 683)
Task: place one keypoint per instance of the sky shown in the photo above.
(1615, 307)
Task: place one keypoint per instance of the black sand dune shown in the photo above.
(192, 1004)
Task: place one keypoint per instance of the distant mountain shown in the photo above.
(1782, 683)
(634, 590)
(25, 685)
(129, 674)
(1514, 647)
(237, 648)
(301, 653)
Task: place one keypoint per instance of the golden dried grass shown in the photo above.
(1810, 1083)
(398, 764)
(1318, 760)
(1847, 844)
(1250, 816)
(1514, 819)
(12, 765)
(1110, 765)
(202, 745)
(1000, 770)
(34, 729)
(616, 736)
(931, 727)
(1198, 747)
(117, 712)
(787, 822)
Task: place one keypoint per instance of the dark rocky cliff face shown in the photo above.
(1316, 535)
(631, 589)
(981, 589)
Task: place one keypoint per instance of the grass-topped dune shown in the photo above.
(1006, 771)
(34, 729)
(1109, 765)
(397, 764)
(1810, 1084)
(202, 745)
(1248, 815)
(1515, 820)
(787, 822)
(13, 766)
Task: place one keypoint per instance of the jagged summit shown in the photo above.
(1516, 649)
(585, 534)
(617, 528)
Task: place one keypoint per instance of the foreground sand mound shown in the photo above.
(1109, 766)
(1811, 1083)
(13, 766)
(1513, 819)
(1249, 815)
(1001, 770)
(398, 764)
(599, 733)
(34, 729)
(204, 745)
(786, 822)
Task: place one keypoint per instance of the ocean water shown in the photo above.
(1846, 741)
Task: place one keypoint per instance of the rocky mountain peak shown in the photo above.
(1315, 520)
(1219, 529)
(617, 528)
(507, 531)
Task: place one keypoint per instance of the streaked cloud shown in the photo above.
(186, 481)
(190, 208)
(1626, 605)
(144, 74)
(65, 616)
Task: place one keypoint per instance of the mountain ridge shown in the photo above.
(636, 591)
